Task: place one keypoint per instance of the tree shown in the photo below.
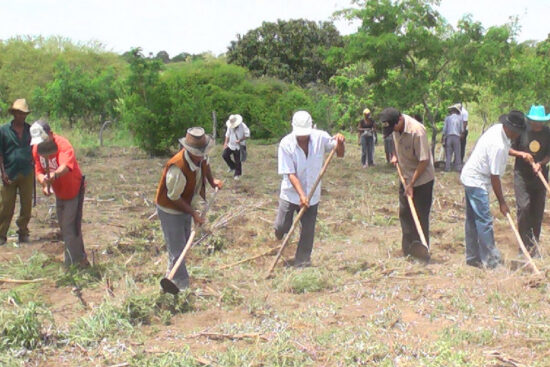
(409, 55)
(163, 56)
(293, 51)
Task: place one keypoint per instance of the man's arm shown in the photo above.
(5, 179)
(497, 188)
(523, 155)
(420, 168)
(211, 180)
(298, 187)
(340, 147)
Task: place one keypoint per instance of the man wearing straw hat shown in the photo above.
(452, 131)
(482, 172)
(532, 152)
(366, 129)
(183, 180)
(235, 144)
(16, 166)
(56, 168)
(412, 153)
(300, 161)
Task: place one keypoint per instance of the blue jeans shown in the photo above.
(480, 239)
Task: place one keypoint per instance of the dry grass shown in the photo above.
(361, 304)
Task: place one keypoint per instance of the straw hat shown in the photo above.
(234, 121)
(19, 105)
(197, 142)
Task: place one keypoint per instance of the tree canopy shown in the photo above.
(293, 51)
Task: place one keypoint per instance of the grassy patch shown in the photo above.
(307, 280)
(39, 265)
(24, 326)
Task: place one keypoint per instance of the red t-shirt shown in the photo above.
(67, 186)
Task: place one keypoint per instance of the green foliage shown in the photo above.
(308, 280)
(28, 63)
(160, 106)
(106, 320)
(38, 265)
(293, 51)
(23, 326)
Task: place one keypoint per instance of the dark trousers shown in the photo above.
(283, 222)
(463, 144)
(388, 147)
(234, 164)
(367, 149)
(530, 200)
(422, 199)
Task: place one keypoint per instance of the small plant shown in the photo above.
(39, 265)
(81, 278)
(231, 297)
(106, 320)
(307, 280)
(23, 326)
(215, 244)
(168, 359)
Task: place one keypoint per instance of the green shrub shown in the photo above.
(23, 327)
(307, 280)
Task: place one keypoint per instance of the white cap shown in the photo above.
(38, 133)
(302, 123)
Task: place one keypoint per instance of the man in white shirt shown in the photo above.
(235, 144)
(481, 172)
(301, 155)
(183, 179)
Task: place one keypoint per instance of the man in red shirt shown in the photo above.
(56, 168)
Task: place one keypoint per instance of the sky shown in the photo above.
(196, 26)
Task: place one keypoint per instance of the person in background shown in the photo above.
(16, 166)
(483, 171)
(464, 115)
(366, 129)
(56, 168)
(235, 144)
(532, 153)
(300, 158)
(450, 138)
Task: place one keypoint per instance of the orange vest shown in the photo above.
(187, 194)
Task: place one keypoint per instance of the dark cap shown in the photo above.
(515, 120)
(389, 117)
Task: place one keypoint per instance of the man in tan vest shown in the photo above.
(184, 177)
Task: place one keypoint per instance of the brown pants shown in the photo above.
(8, 193)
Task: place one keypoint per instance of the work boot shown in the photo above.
(24, 238)
(3, 240)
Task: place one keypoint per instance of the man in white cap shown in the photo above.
(235, 144)
(56, 168)
(301, 155)
(183, 180)
(16, 166)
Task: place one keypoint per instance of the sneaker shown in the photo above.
(24, 239)
(365, 166)
(237, 178)
(230, 170)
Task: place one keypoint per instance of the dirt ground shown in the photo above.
(371, 306)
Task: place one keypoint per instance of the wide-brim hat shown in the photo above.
(515, 120)
(456, 106)
(302, 123)
(538, 114)
(197, 142)
(234, 121)
(19, 105)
